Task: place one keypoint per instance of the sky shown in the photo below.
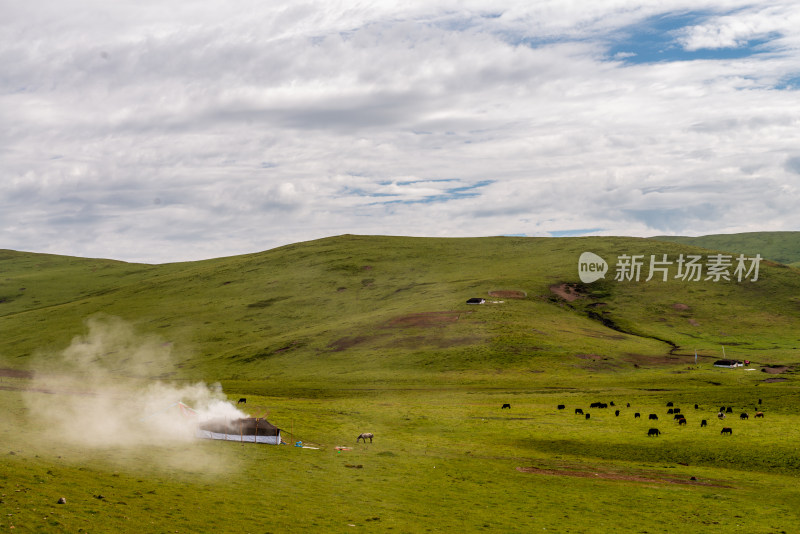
(157, 132)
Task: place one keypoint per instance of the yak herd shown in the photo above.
(676, 414)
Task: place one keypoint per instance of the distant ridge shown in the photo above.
(781, 247)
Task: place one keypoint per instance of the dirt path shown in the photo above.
(15, 373)
(649, 478)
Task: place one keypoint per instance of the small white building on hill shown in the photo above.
(730, 364)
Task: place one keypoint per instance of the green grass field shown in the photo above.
(783, 247)
(339, 336)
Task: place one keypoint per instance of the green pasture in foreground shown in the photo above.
(445, 459)
(339, 336)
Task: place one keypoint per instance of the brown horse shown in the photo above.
(365, 436)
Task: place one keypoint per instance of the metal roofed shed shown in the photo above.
(250, 429)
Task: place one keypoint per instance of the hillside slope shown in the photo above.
(781, 247)
(366, 308)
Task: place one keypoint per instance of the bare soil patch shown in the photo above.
(433, 338)
(775, 370)
(49, 391)
(567, 292)
(495, 418)
(680, 306)
(424, 319)
(345, 343)
(15, 373)
(646, 477)
(508, 294)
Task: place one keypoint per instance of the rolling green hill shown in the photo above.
(338, 336)
(782, 247)
(362, 308)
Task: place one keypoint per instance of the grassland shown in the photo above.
(356, 333)
(782, 247)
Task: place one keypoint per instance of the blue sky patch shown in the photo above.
(792, 83)
(420, 181)
(358, 192)
(452, 193)
(468, 188)
(656, 39)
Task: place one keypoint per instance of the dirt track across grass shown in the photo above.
(647, 477)
(424, 319)
(508, 294)
(15, 373)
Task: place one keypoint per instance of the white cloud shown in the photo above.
(181, 131)
(742, 27)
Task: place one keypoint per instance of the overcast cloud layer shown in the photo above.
(171, 131)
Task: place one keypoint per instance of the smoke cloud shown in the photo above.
(96, 394)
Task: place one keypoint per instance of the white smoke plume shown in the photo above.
(97, 394)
